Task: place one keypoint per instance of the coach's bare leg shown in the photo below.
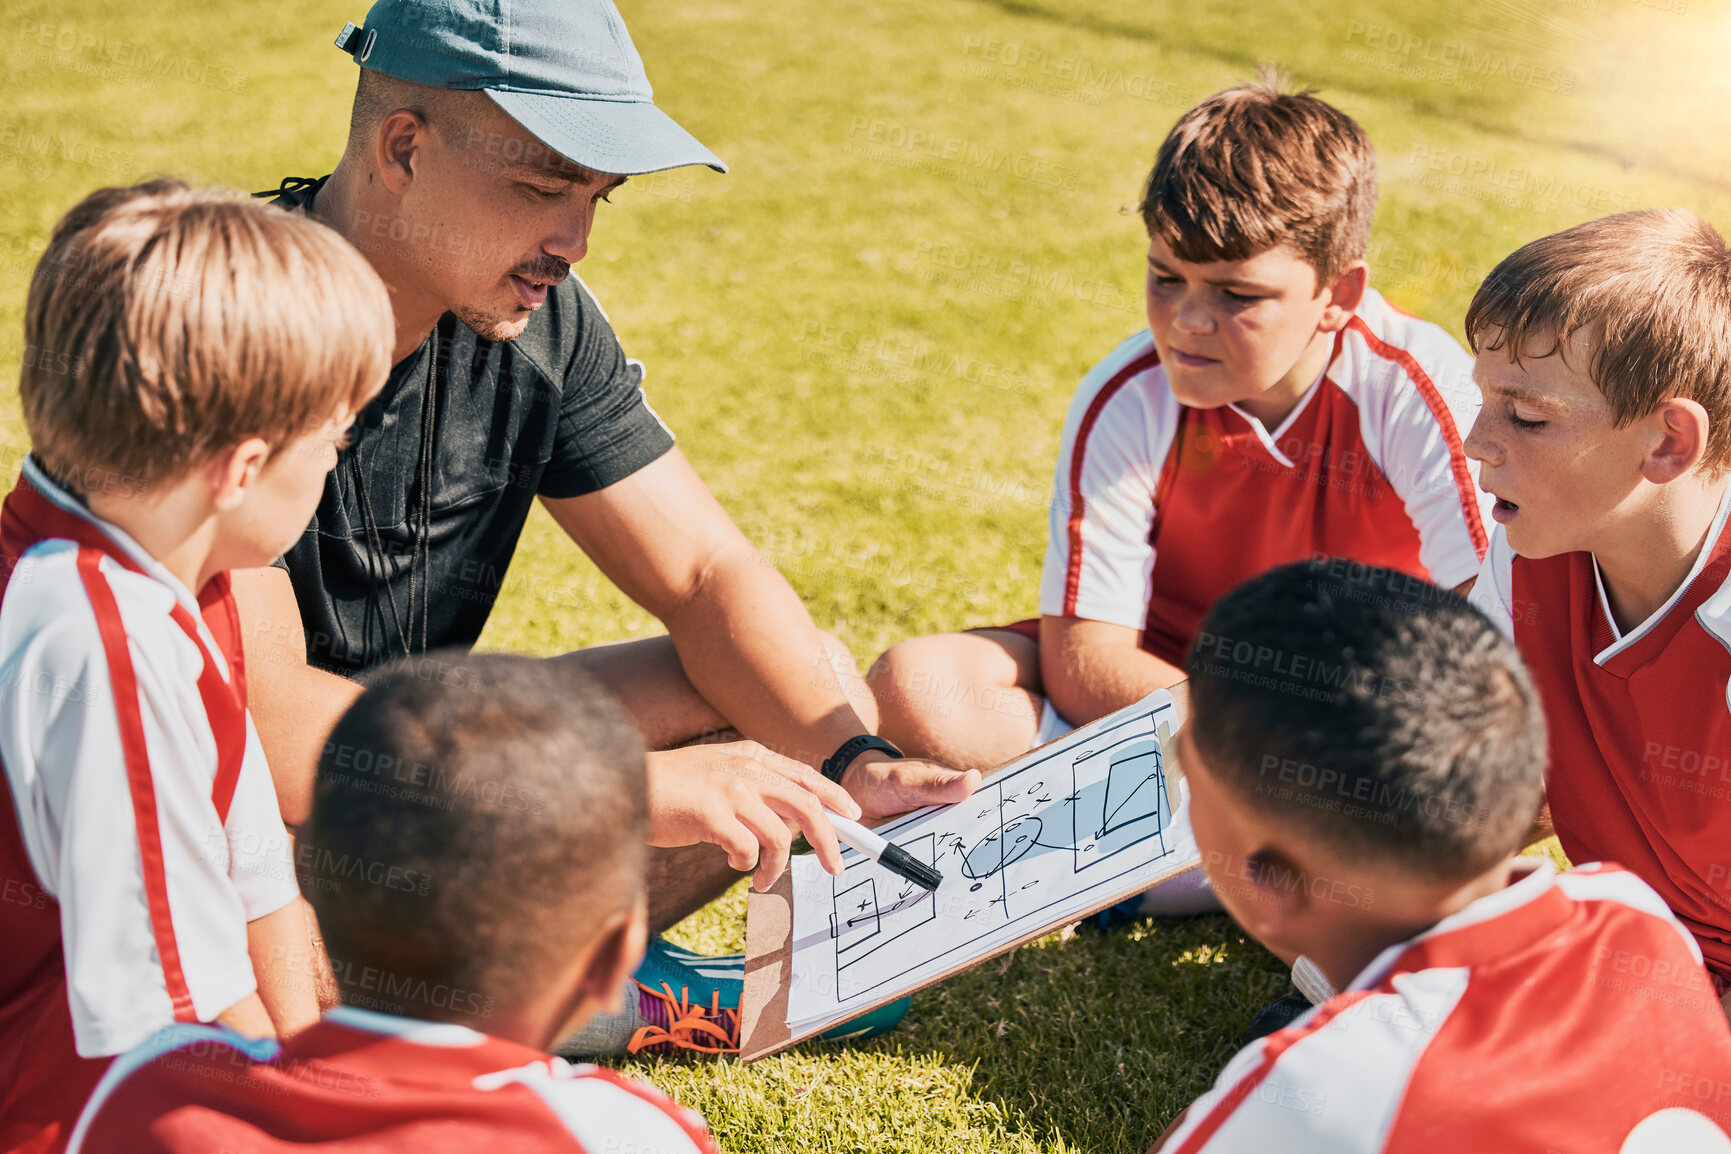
(650, 683)
(971, 700)
(684, 880)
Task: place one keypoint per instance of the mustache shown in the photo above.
(550, 269)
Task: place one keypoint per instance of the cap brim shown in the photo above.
(620, 137)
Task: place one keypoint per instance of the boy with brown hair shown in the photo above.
(1369, 822)
(1604, 356)
(1275, 408)
(193, 361)
(527, 914)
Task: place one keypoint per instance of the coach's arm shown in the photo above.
(745, 641)
(294, 706)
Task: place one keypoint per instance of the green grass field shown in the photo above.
(866, 336)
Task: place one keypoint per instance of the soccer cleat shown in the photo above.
(679, 1000)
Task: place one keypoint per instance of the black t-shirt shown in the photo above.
(558, 412)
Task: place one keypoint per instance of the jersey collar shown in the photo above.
(1524, 891)
(1621, 641)
(392, 1049)
(1270, 440)
(123, 541)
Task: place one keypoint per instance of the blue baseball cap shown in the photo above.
(565, 70)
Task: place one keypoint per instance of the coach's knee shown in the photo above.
(910, 675)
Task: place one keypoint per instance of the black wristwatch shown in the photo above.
(836, 764)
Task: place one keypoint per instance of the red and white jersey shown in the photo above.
(1157, 508)
(1639, 722)
(139, 816)
(1561, 1013)
(360, 1081)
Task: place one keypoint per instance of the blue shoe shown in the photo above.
(1114, 918)
(869, 1025)
(690, 1001)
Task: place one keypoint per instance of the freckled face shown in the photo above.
(1549, 451)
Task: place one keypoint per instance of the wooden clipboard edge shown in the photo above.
(763, 1028)
(768, 970)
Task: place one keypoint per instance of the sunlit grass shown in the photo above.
(866, 336)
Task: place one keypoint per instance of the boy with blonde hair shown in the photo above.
(1276, 408)
(1604, 356)
(193, 361)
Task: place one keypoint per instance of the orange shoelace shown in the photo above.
(687, 1024)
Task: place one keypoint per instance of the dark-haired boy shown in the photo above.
(1604, 355)
(1486, 1002)
(531, 917)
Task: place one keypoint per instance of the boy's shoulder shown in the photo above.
(47, 609)
(1385, 353)
(1130, 382)
(606, 1110)
(1418, 1042)
(263, 1086)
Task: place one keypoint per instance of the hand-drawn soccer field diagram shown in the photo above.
(1073, 819)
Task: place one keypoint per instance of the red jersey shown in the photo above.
(1157, 508)
(1562, 1013)
(125, 906)
(368, 1083)
(1640, 729)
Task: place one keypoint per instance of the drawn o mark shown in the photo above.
(1002, 849)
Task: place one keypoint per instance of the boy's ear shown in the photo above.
(1344, 296)
(615, 958)
(232, 472)
(1271, 886)
(1683, 426)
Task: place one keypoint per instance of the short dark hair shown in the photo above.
(1386, 717)
(474, 819)
(1257, 166)
(377, 95)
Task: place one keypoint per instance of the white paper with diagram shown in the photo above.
(1070, 827)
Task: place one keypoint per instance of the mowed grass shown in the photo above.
(866, 336)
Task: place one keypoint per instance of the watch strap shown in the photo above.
(836, 764)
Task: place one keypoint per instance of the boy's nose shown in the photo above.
(1476, 446)
(1192, 317)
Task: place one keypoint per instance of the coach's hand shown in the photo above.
(885, 786)
(746, 799)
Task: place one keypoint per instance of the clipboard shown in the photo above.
(764, 1027)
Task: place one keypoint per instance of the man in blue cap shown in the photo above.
(482, 138)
